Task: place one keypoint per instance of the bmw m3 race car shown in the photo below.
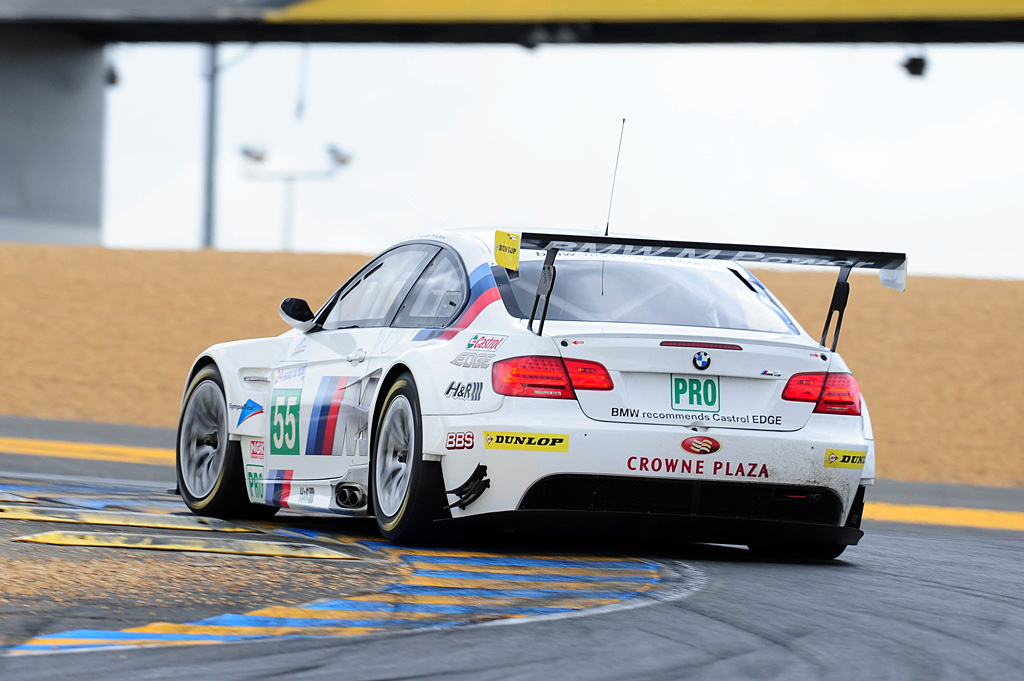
(495, 376)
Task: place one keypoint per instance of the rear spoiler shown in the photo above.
(892, 267)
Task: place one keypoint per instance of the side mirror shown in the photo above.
(296, 312)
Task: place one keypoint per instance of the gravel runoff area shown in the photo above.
(49, 588)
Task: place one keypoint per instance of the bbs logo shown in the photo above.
(460, 441)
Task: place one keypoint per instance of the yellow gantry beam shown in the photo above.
(532, 11)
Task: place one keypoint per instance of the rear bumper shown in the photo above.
(756, 482)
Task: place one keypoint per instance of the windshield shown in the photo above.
(646, 291)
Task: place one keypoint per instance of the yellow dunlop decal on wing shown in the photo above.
(533, 442)
(841, 458)
(506, 250)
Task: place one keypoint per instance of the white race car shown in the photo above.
(456, 376)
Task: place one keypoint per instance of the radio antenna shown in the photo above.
(618, 153)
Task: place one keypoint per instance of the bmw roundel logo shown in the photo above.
(702, 360)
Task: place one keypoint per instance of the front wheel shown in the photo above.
(208, 464)
(408, 492)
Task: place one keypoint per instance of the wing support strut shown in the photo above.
(840, 297)
(544, 286)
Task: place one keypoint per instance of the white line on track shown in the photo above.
(684, 582)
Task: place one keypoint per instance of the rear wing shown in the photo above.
(892, 267)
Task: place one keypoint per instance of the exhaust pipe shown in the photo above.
(350, 495)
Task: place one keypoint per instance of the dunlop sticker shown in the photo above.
(506, 250)
(840, 458)
(532, 442)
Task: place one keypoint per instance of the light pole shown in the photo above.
(211, 73)
(336, 158)
(212, 70)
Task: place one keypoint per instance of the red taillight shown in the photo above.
(804, 387)
(538, 376)
(840, 396)
(831, 393)
(586, 375)
(531, 377)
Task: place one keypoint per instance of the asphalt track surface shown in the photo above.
(912, 601)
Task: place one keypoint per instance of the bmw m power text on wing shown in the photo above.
(495, 376)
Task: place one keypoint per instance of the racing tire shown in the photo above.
(407, 491)
(208, 465)
(798, 551)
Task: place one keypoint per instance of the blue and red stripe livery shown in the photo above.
(278, 487)
(324, 419)
(482, 292)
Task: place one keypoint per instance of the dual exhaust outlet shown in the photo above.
(350, 495)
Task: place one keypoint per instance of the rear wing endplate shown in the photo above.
(892, 267)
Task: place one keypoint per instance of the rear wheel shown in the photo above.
(208, 463)
(798, 551)
(408, 492)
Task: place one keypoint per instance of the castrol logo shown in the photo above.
(701, 445)
(482, 342)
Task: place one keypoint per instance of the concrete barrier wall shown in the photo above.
(51, 137)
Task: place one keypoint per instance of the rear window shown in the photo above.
(647, 291)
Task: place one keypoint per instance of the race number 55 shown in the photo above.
(284, 422)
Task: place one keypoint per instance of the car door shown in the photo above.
(323, 388)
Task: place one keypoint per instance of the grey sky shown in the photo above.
(830, 146)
